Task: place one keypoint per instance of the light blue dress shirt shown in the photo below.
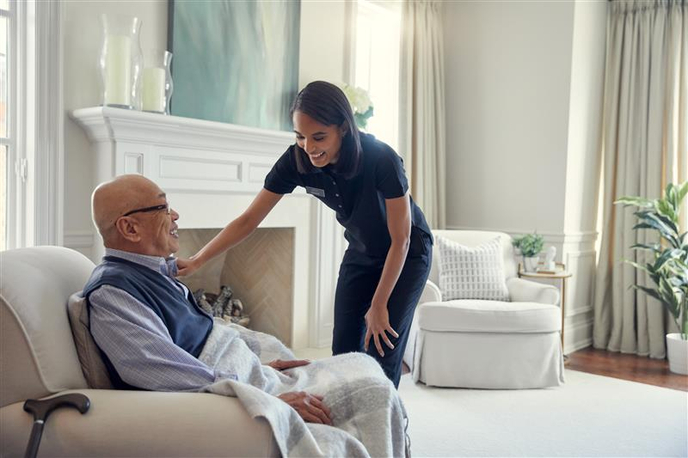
(137, 341)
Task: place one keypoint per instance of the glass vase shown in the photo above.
(157, 81)
(121, 61)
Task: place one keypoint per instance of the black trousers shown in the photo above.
(359, 276)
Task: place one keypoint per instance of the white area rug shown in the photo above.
(590, 415)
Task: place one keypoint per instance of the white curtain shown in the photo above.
(645, 133)
(422, 113)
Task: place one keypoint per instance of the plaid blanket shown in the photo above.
(368, 416)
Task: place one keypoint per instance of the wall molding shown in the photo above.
(79, 239)
(552, 237)
(104, 124)
(327, 255)
(579, 311)
(578, 336)
(49, 141)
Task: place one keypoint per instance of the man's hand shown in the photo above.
(281, 365)
(309, 407)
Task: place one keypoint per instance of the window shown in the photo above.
(5, 139)
(31, 124)
(376, 64)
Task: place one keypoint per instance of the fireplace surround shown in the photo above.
(259, 271)
(211, 171)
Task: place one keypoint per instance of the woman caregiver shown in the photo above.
(388, 259)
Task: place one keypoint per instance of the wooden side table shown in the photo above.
(559, 273)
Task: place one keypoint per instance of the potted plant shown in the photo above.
(530, 246)
(669, 266)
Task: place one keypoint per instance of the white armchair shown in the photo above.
(38, 358)
(487, 344)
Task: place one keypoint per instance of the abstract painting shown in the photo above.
(235, 61)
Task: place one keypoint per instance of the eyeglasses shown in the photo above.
(154, 208)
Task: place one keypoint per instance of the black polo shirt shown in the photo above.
(359, 201)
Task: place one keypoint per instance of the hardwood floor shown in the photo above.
(627, 367)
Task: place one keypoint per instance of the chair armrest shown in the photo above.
(521, 290)
(143, 423)
(431, 293)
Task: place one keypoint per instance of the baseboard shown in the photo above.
(578, 336)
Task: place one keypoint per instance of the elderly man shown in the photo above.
(154, 336)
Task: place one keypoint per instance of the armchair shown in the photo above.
(487, 344)
(38, 358)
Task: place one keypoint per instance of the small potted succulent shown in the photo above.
(530, 246)
(667, 265)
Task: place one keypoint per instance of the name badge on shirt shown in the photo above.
(315, 191)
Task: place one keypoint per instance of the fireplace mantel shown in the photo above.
(211, 171)
(181, 153)
(106, 123)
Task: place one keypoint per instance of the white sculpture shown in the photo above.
(549, 263)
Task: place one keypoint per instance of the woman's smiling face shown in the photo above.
(320, 142)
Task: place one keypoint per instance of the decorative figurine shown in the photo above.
(549, 259)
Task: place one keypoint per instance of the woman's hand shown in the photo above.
(377, 321)
(233, 234)
(186, 267)
(309, 407)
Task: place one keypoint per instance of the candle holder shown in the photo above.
(121, 61)
(157, 81)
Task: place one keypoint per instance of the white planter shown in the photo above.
(677, 352)
(530, 264)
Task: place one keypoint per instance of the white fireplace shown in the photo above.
(211, 171)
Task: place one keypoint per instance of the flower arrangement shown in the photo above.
(360, 104)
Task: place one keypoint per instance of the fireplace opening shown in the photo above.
(259, 271)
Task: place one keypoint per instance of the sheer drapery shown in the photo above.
(422, 107)
(645, 133)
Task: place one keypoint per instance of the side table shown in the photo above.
(559, 273)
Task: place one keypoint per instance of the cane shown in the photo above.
(41, 409)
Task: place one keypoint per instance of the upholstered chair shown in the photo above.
(468, 343)
(38, 358)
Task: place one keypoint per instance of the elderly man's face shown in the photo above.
(157, 225)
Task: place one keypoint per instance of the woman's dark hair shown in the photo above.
(327, 104)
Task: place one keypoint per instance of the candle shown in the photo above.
(118, 71)
(154, 89)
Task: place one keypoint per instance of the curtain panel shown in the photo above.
(422, 107)
(645, 130)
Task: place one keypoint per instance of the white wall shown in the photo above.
(508, 70)
(524, 90)
(82, 42)
(322, 56)
(585, 116)
(584, 154)
(523, 86)
(323, 49)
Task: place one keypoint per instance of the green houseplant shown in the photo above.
(668, 268)
(530, 246)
